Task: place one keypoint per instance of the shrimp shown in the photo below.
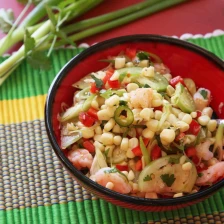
(80, 158)
(202, 98)
(107, 174)
(203, 150)
(141, 98)
(212, 174)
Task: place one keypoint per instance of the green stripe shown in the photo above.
(88, 212)
(26, 82)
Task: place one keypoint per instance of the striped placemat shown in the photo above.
(34, 188)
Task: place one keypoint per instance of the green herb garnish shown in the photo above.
(99, 82)
(204, 93)
(174, 160)
(168, 179)
(200, 174)
(142, 55)
(148, 178)
(123, 103)
(115, 170)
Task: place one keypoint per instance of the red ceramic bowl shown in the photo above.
(181, 57)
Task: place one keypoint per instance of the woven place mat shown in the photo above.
(34, 188)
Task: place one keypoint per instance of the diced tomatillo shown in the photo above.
(183, 99)
(123, 116)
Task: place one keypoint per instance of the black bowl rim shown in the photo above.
(79, 175)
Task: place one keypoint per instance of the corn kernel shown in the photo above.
(182, 126)
(129, 64)
(158, 114)
(194, 114)
(157, 103)
(119, 63)
(109, 150)
(187, 118)
(132, 87)
(207, 111)
(167, 135)
(170, 90)
(107, 138)
(131, 175)
(172, 119)
(99, 146)
(146, 113)
(97, 138)
(130, 154)
(95, 104)
(187, 166)
(152, 195)
(131, 164)
(181, 115)
(116, 129)
(178, 195)
(103, 115)
(115, 76)
(152, 125)
(176, 111)
(182, 159)
(203, 120)
(148, 72)
(109, 125)
(212, 124)
(125, 173)
(132, 143)
(124, 144)
(112, 101)
(143, 63)
(147, 133)
(87, 132)
(98, 130)
(110, 185)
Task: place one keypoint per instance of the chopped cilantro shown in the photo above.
(115, 170)
(180, 146)
(142, 55)
(123, 103)
(200, 174)
(122, 76)
(168, 179)
(173, 160)
(106, 152)
(204, 93)
(146, 86)
(99, 82)
(148, 178)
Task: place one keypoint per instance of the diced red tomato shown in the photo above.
(93, 88)
(173, 82)
(87, 120)
(194, 127)
(89, 146)
(158, 108)
(131, 52)
(115, 84)
(201, 167)
(146, 141)
(180, 136)
(138, 165)
(122, 167)
(137, 151)
(190, 152)
(195, 160)
(93, 113)
(156, 152)
(66, 152)
(198, 114)
(109, 73)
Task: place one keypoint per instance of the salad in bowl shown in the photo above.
(137, 129)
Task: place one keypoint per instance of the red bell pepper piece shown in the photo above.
(108, 75)
(137, 151)
(146, 141)
(138, 165)
(122, 167)
(190, 152)
(176, 80)
(87, 120)
(180, 136)
(115, 84)
(93, 113)
(131, 52)
(93, 88)
(156, 152)
(194, 127)
(89, 146)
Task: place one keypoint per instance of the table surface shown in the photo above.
(195, 17)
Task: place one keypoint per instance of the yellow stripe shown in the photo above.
(20, 110)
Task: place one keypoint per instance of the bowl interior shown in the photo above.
(182, 58)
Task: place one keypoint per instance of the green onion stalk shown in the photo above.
(82, 29)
